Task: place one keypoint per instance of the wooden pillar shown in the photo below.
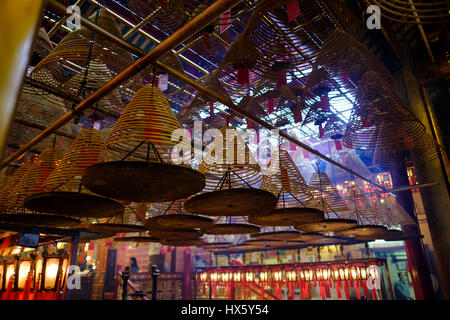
(436, 200)
(173, 260)
(187, 270)
(420, 273)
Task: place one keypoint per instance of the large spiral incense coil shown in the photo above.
(42, 45)
(147, 118)
(33, 181)
(425, 149)
(12, 183)
(380, 119)
(277, 45)
(20, 134)
(160, 15)
(145, 138)
(284, 180)
(41, 108)
(188, 9)
(229, 154)
(347, 60)
(210, 43)
(84, 151)
(70, 56)
(236, 60)
(409, 11)
(3, 179)
(324, 190)
(362, 210)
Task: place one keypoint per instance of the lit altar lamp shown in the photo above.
(277, 277)
(263, 279)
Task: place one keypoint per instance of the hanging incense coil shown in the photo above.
(41, 108)
(380, 119)
(43, 220)
(173, 234)
(326, 241)
(33, 181)
(364, 231)
(179, 222)
(160, 15)
(347, 60)
(327, 225)
(84, 151)
(286, 217)
(408, 11)
(423, 150)
(69, 57)
(188, 9)
(324, 190)
(73, 204)
(309, 236)
(232, 202)
(12, 183)
(279, 45)
(137, 239)
(42, 46)
(231, 228)
(144, 132)
(209, 43)
(183, 243)
(216, 245)
(277, 235)
(234, 74)
(229, 154)
(285, 180)
(114, 228)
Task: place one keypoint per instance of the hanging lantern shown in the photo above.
(51, 272)
(291, 277)
(203, 276)
(237, 276)
(277, 277)
(250, 276)
(23, 269)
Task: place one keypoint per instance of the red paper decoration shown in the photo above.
(293, 10)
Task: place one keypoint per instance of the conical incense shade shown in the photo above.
(42, 44)
(148, 118)
(3, 179)
(417, 12)
(380, 119)
(41, 108)
(286, 181)
(11, 184)
(161, 17)
(84, 151)
(346, 60)
(33, 181)
(277, 44)
(323, 189)
(361, 208)
(69, 57)
(228, 153)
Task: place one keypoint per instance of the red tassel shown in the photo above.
(204, 288)
(281, 78)
(366, 122)
(322, 292)
(338, 144)
(321, 131)
(374, 294)
(327, 289)
(250, 124)
(262, 291)
(270, 104)
(338, 289)
(206, 40)
(243, 76)
(305, 154)
(366, 290)
(297, 115)
(7, 295)
(292, 146)
(358, 294)
(214, 289)
(211, 109)
(345, 77)
(293, 10)
(347, 294)
(325, 102)
(225, 21)
(229, 290)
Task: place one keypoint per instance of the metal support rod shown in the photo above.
(422, 32)
(142, 23)
(182, 34)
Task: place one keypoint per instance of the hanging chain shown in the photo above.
(82, 89)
